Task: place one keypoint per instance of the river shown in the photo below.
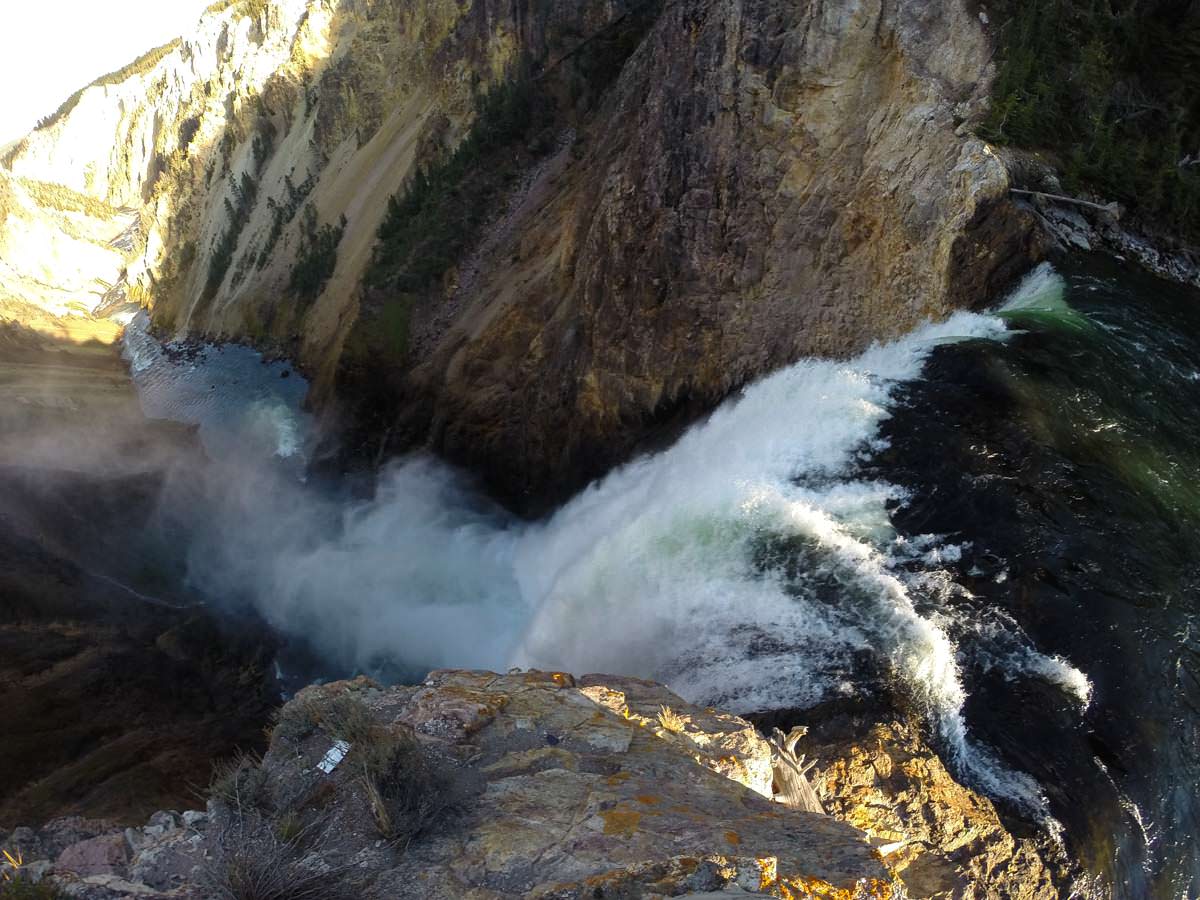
(991, 521)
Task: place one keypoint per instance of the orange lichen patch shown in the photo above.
(470, 708)
(615, 877)
(617, 778)
(621, 821)
(733, 837)
(732, 767)
(768, 868)
(648, 799)
(804, 888)
(562, 679)
(883, 890)
(528, 761)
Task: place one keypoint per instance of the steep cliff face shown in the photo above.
(707, 191)
(766, 180)
(117, 690)
(272, 119)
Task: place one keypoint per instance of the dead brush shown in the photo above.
(240, 783)
(404, 791)
(343, 717)
(253, 859)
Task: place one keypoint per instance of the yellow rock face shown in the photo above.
(574, 791)
(943, 839)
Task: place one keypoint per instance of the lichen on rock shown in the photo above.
(558, 788)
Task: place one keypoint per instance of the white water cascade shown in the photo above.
(746, 566)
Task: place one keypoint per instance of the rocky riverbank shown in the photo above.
(537, 784)
(1092, 224)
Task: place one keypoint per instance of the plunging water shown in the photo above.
(768, 560)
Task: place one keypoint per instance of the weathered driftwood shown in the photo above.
(1110, 209)
(791, 786)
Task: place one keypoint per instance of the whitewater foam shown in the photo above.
(748, 566)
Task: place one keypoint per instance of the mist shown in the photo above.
(750, 566)
(667, 569)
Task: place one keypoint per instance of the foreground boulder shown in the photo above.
(533, 784)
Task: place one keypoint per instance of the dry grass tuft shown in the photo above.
(253, 860)
(240, 783)
(671, 720)
(404, 791)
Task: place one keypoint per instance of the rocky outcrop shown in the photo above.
(763, 180)
(942, 839)
(1067, 224)
(544, 786)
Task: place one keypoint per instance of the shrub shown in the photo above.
(405, 792)
(317, 258)
(240, 783)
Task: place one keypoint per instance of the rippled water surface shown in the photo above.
(1066, 462)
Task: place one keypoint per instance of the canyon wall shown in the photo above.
(708, 191)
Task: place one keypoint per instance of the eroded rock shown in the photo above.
(942, 839)
(562, 788)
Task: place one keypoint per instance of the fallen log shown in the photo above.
(1111, 209)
